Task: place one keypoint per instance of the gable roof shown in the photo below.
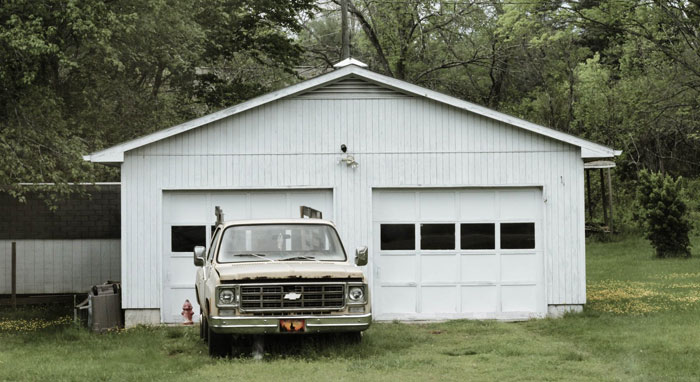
(115, 154)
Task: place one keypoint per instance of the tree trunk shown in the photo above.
(158, 81)
(372, 36)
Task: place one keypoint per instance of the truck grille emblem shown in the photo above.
(292, 296)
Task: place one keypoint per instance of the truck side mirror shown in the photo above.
(361, 256)
(199, 255)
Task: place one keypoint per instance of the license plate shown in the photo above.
(292, 325)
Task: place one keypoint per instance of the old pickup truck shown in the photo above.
(278, 276)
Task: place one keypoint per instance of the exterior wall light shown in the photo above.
(349, 160)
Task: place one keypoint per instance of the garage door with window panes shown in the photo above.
(458, 253)
(188, 218)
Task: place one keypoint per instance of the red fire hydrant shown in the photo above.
(187, 312)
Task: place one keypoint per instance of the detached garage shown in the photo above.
(467, 212)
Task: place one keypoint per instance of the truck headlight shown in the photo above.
(227, 297)
(356, 294)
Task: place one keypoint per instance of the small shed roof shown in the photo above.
(599, 164)
(350, 68)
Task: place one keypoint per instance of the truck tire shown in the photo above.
(205, 329)
(219, 344)
(201, 326)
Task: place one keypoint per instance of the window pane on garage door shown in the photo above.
(398, 237)
(185, 238)
(517, 235)
(478, 236)
(437, 236)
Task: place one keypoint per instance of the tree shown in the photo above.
(406, 39)
(78, 76)
(664, 214)
(652, 51)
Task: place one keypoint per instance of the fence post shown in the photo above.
(14, 274)
(604, 197)
(610, 200)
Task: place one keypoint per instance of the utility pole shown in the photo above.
(344, 26)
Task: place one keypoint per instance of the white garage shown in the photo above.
(187, 219)
(467, 212)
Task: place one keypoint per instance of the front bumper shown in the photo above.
(270, 324)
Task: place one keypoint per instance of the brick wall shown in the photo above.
(97, 216)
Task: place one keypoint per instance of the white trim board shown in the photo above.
(115, 154)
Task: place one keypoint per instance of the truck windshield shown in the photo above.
(280, 242)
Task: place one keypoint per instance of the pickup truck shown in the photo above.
(278, 276)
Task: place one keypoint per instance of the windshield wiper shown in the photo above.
(258, 255)
(299, 258)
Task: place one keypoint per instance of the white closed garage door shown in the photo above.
(188, 217)
(472, 253)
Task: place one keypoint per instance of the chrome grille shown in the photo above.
(270, 297)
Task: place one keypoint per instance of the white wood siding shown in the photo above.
(59, 266)
(405, 142)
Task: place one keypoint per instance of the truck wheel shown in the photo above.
(201, 326)
(219, 344)
(204, 328)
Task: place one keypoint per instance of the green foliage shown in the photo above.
(664, 214)
(77, 76)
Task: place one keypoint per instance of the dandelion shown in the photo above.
(31, 325)
(635, 297)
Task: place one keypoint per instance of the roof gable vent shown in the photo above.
(352, 88)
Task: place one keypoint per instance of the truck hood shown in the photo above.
(284, 270)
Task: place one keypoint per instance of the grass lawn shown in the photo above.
(642, 322)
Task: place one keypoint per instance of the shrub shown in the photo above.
(664, 214)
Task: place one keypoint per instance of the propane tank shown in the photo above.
(187, 312)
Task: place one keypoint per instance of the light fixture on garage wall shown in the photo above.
(348, 159)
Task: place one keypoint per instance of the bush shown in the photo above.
(664, 214)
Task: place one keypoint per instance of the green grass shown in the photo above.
(642, 323)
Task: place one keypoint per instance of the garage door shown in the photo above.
(188, 217)
(458, 253)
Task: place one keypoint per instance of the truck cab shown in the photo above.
(279, 276)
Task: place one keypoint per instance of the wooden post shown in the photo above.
(610, 199)
(602, 190)
(588, 191)
(14, 274)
